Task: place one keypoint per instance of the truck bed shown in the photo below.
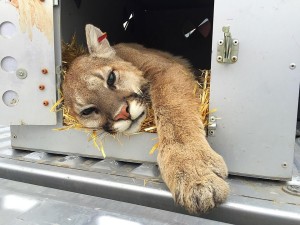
(65, 189)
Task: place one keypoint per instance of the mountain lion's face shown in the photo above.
(105, 93)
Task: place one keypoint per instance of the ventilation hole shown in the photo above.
(7, 29)
(10, 98)
(9, 64)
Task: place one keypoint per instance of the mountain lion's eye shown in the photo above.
(111, 79)
(88, 111)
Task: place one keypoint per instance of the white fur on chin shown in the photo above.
(136, 109)
(121, 125)
(136, 126)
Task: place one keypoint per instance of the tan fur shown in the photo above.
(193, 172)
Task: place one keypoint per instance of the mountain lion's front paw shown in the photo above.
(200, 193)
(195, 178)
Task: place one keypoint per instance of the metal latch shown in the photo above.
(212, 126)
(228, 48)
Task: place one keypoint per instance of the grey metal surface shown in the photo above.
(32, 47)
(251, 200)
(135, 148)
(27, 204)
(257, 97)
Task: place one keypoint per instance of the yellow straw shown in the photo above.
(153, 149)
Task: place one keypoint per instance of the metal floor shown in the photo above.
(27, 204)
(73, 187)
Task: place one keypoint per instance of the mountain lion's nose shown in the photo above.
(123, 114)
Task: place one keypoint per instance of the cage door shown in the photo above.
(27, 70)
(256, 94)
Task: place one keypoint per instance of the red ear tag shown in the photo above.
(102, 37)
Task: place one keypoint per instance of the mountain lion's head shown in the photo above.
(103, 91)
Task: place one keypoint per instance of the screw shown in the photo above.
(235, 42)
(14, 136)
(234, 58)
(21, 73)
(292, 66)
(219, 58)
(45, 103)
(42, 87)
(220, 42)
(284, 165)
(211, 132)
(212, 119)
(44, 71)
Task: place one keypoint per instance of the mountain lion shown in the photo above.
(108, 89)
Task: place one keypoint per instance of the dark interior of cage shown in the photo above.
(183, 28)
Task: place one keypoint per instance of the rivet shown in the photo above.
(293, 66)
(234, 58)
(42, 87)
(219, 58)
(45, 103)
(284, 165)
(235, 42)
(220, 42)
(44, 71)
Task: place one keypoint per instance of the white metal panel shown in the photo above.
(257, 96)
(26, 34)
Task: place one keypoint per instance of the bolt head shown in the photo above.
(21, 73)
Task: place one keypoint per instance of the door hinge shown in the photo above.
(55, 2)
(228, 48)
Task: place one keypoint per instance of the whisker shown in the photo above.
(101, 134)
(139, 92)
(117, 138)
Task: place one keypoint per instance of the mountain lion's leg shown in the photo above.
(193, 172)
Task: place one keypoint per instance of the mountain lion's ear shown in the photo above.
(97, 47)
